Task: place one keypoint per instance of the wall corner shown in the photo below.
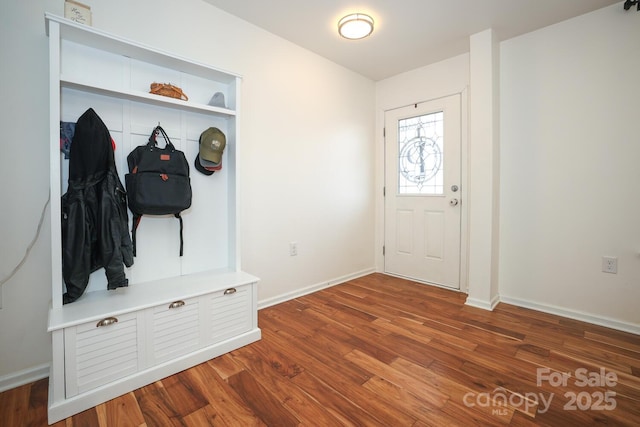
(484, 170)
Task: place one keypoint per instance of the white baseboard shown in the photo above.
(26, 376)
(485, 305)
(313, 288)
(574, 314)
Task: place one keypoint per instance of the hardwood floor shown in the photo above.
(382, 351)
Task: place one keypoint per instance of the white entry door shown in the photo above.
(423, 191)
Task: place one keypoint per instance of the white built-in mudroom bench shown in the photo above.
(177, 311)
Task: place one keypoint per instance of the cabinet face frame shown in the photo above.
(69, 42)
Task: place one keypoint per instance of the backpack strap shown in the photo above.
(153, 142)
(134, 227)
(181, 243)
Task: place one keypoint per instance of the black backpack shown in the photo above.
(158, 182)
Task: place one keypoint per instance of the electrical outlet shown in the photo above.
(293, 248)
(610, 264)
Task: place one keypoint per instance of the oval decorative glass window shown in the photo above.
(420, 158)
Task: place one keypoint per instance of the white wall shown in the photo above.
(24, 170)
(307, 142)
(570, 167)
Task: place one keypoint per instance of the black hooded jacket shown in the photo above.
(95, 229)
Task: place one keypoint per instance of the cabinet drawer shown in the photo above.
(175, 329)
(96, 355)
(230, 312)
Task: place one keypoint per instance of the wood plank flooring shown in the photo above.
(382, 351)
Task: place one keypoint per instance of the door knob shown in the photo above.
(453, 202)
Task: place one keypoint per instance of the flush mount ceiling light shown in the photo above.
(355, 26)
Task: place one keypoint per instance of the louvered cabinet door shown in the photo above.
(102, 351)
(230, 313)
(175, 329)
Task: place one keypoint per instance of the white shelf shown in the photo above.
(145, 97)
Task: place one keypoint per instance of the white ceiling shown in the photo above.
(408, 33)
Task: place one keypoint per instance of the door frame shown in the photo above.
(464, 182)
